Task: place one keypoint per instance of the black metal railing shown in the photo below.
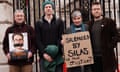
(63, 9)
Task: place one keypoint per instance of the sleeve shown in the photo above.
(86, 27)
(114, 33)
(6, 42)
(61, 32)
(39, 45)
(32, 40)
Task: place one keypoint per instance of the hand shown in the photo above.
(62, 42)
(29, 54)
(8, 56)
(47, 57)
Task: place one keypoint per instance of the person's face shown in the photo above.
(48, 9)
(96, 11)
(19, 17)
(18, 39)
(77, 20)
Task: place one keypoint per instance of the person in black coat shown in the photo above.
(104, 34)
(19, 27)
(49, 30)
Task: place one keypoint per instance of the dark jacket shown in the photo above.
(31, 40)
(108, 43)
(49, 34)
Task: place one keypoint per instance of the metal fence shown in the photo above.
(33, 9)
(63, 8)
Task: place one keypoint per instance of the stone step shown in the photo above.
(4, 68)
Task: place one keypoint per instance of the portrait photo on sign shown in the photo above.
(18, 42)
(18, 46)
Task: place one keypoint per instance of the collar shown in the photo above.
(43, 18)
(74, 28)
(19, 25)
(97, 19)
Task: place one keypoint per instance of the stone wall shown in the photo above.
(6, 19)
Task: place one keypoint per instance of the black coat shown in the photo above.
(31, 41)
(48, 34)
(108, 43)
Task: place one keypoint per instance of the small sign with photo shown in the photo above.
(18, 46)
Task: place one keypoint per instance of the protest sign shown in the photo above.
(18, 46)
(77, 49)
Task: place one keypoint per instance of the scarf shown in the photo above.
(74, 28)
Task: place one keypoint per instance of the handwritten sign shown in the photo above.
(77, 49)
